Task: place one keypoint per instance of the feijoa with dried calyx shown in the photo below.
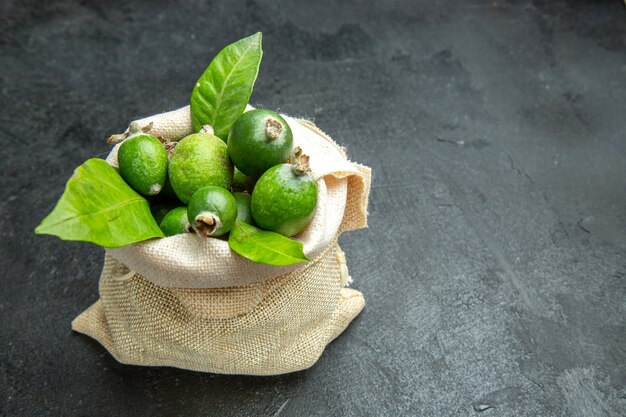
(212, 211)
(175, 222)
(142, 161)
(258, 140)
(244, 211)
(199, 160)
(284, 198)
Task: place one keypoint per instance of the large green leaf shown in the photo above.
(98, 206)
(221, 94)
(265, 247)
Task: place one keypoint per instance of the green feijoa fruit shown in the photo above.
(199, 160)
(284, 198)
(243, 182)
(159, 210)
(212, 211)
(175, 222)
(258, 140)
(244, 212)
(142, 161)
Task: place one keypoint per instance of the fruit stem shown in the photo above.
(133, 129)
(206, 223)
(299, 162)
(273, 128)
(207, 129)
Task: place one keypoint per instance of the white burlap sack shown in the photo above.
(195, 304)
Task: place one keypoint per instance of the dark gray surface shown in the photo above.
(494, 267)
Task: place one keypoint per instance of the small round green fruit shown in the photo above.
(243, 182)
(258, 140)
(284, 198)
(199, 160)
(175, 222)
(244, 211)
(159, 210)
(212, 211)
(142, 161)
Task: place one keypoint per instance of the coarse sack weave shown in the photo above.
(195, 304)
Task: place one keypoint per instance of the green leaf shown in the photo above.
(98, 206)
(221, 94)
(265, 247)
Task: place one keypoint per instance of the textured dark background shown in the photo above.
(494, 267)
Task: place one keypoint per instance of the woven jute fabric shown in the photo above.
(277, 326)
(194, 304)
